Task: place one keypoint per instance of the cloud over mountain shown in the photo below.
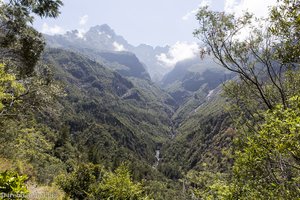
(178, 52)
(118, 47)
(52, 30)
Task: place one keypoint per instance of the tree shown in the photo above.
(119, 186)
(20, 44)
(79, 183)
(264, 97)
(89, 181)
(269, 163)
(256, 58)
(24, 85)
(209, 185)
(10, 90)
(286, 27)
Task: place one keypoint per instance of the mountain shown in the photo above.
(116, 113)
(193, 86)
(148, 55)
(191, 82)
(192, 73)
(202, 140)
(97, 38)
(136, 68)
(111, 118)
(125, 63)
(104, 39)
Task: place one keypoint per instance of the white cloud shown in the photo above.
(258, 7)
(81, 34)
(193, 12)
(103, 33)
(118, 47)
(52, 30)
(178, 52)
(83, 20)
(205, 3)
(230, 5)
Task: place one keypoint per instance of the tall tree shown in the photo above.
(285, 27)
(265, 55)
(257, 57)
(20, 44)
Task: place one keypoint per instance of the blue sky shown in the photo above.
(154, 22)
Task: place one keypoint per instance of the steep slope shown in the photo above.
(109, 116)
(125, 63)
(103, 38)
(202, 140)
(201, 126)
(148, 55)
(192, 73)
(185, 129)
(136, 68)
(191, 82)
(97, 38)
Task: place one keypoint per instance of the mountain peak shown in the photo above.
(104, 38)
(104, 28)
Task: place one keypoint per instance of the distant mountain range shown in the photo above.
(104, 39)
(102, 44)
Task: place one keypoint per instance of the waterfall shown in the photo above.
(157, 156)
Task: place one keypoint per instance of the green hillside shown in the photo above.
(107, 112)
(81, 118)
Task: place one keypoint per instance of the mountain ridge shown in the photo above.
(104, 38)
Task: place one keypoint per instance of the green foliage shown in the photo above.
(10, 90)
(35, 147)
(30, 146)
(209, 185)
(165, 190)
(268, 164)
(264, 101)
(12, 186)
(21, 45)
(257, 65)
(119, 186)
(79, 183)
(89, 181)
(285, 27)
(170, 170)
(202, 138)
(107, 127)
(24, 139)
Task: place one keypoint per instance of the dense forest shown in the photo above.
(81, 121)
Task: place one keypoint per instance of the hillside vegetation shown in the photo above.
(82, 120)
